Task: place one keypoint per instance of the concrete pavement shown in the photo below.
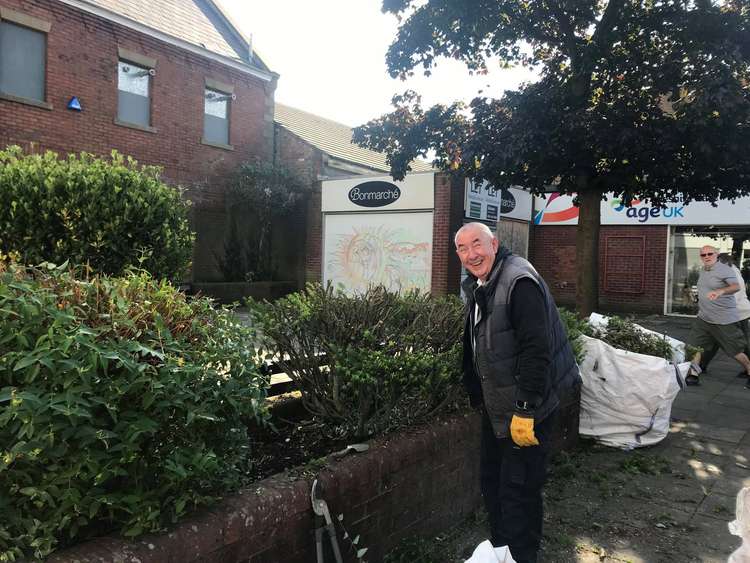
(708, 445)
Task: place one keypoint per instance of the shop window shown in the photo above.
(684, 263)
(23, 55)
(134, 94)
(216, 116)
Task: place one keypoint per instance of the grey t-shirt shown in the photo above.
(722, 310)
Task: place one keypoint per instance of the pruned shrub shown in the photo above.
(624, 334)
(122, 406)
(109, 214)
(574, 327)
(370, 362)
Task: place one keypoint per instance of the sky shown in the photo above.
(330, 55)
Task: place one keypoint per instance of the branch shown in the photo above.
(606, 25)
(568, 33)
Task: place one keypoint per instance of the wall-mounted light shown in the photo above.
(75, 104)
(220, 98)
(140, 73)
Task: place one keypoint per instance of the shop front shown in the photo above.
(506, 212)
(648, 255)
(377, 231)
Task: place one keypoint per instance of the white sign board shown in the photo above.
(559, 210)
(392, 249)
(379, 193)
(486, 203)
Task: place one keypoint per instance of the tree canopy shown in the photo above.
(644, 98)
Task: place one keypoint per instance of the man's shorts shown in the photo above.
(730, 338)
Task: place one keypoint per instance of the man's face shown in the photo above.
(708, 256)
(476, 250)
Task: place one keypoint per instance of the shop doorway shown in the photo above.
(684, 264)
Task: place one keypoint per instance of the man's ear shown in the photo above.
(495, 244)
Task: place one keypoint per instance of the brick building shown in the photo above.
(172, 83)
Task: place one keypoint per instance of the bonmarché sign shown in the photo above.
(374, 194)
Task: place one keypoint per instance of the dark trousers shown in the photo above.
(708, 355)
(511, 479)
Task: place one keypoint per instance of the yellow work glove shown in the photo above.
(522, 430)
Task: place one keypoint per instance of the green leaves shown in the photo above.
(623, 334)
(370, 362)
(648, 100)
(93, 402)
(107, 214)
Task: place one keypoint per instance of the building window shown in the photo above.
(23, 55)
(134, 93)
(216, 116)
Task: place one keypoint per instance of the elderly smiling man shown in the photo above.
(718, 320)
(517, 359)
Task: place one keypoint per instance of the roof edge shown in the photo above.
(315, 115)
(241, 65)
(382, 171)
(221, 10)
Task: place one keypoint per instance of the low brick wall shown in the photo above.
(419, 482)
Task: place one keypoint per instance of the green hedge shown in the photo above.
(366, 363)
(122, 406)
(109, 214)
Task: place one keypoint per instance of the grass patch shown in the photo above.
(642, 464)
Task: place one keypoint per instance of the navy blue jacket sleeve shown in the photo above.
(528, 316)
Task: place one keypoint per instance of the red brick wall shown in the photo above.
(82, 55)
(446, 268)
(314, 236)
(307, 162)
(642, 281)
(631, 270)
(418, 483)
(553, 254)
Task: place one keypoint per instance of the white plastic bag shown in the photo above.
(741, 527)
(678, 346)
(626, 398)
(485, 553)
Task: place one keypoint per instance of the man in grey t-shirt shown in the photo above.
(718, 318)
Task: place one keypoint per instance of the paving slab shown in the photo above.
(707, 430)
(698, 444)
(735, 398)
(731, 417)
(718, 506)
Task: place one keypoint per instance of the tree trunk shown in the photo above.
(587, 252)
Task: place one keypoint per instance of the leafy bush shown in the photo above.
(122, 405)
(370, 362)
(86, 210)
(574, 327)
(622, 333)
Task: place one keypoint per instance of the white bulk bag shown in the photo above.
(626, 398)
(741, 527)
(485, 553)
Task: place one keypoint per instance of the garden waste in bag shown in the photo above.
(485, 553)
(626, 398)
(678, 346)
